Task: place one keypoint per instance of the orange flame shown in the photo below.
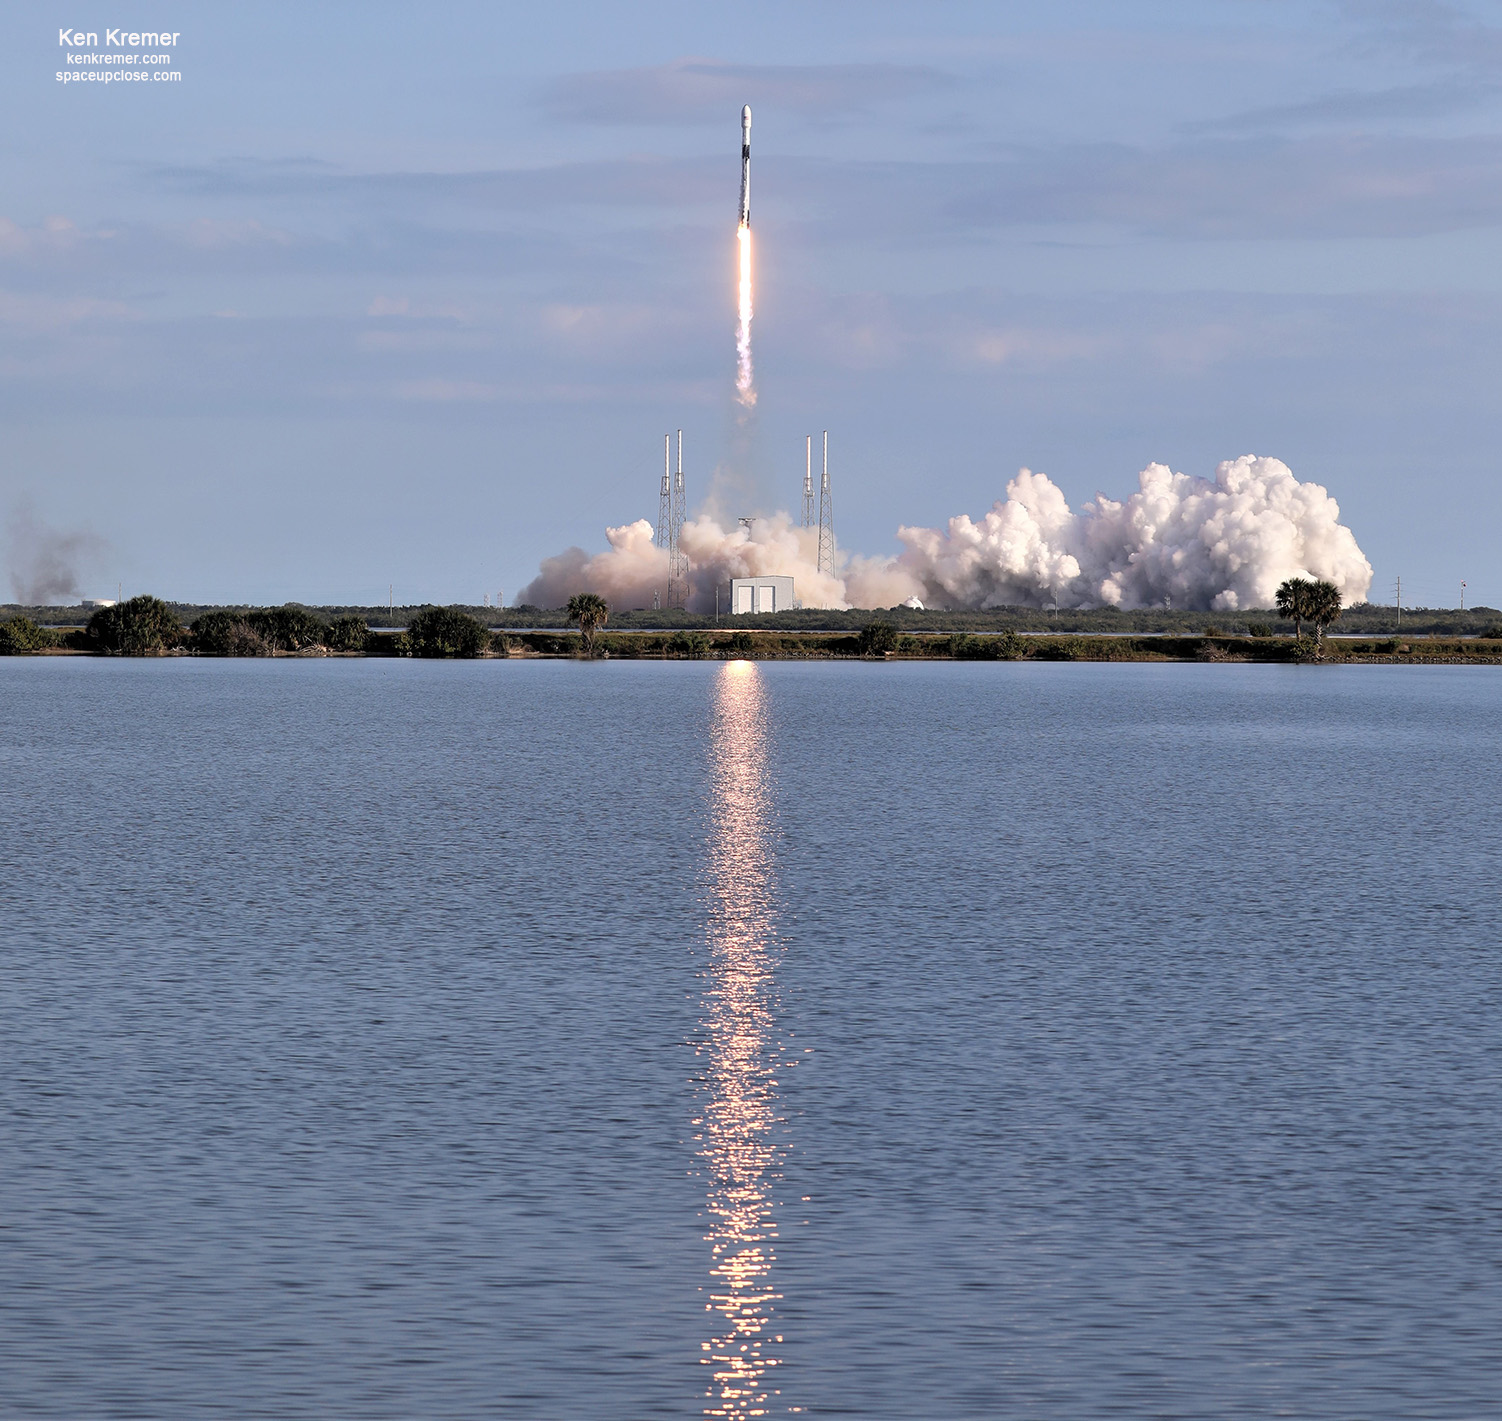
(745, 388)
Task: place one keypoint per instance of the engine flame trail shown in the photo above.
(745, 384)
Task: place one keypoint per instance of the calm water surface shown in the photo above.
(552, 1040)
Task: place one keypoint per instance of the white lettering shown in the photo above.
(113, 37)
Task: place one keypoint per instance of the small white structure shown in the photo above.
(93, 604)
(761, 594)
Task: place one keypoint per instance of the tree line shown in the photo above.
(147, 626)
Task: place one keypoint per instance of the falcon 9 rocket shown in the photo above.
(745, 384)
(746, 166)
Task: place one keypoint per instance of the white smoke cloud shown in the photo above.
(633, 567)
(1218, 545)
(1222, 545)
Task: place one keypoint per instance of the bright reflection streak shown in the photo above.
(745, 387)
(738, 1143)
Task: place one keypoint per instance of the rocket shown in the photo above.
(746, 166)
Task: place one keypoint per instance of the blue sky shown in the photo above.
(408, 294)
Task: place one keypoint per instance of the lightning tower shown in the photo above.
(665, 496)
(826, 517)
(808, 482)
(677, 558)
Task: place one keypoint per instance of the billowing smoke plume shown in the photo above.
(633, 567)
(1214, 545)
(43, 563)
(1223, 544)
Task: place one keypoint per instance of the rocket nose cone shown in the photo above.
(746, 116)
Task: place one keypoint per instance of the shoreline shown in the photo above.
(808, 646)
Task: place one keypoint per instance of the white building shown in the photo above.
(761, 594)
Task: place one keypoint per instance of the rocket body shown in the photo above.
(746, 166)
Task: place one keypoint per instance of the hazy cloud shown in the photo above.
(709, 90)
(1350, 107)
(1212, 187)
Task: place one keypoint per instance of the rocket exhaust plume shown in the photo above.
(1221, 544)
(745, 386)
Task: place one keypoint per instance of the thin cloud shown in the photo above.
(706, 90)
(1409, 101)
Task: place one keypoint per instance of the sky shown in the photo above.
(395, 300)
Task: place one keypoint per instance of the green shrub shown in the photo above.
(963, 646)
(20, 635)
(346, 634)
(1259, 629)
(388, 644)
(446, 631)
(878, 639)
(143, 626)
(691, 645)
(288, 628)
(740, 645)
(226, 634)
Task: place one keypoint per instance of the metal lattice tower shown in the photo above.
(808, 482)
(677, 558)
(826, 517)
(665, 495)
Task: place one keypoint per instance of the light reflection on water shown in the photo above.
(739, 1127)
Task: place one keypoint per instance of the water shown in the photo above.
(387, 1039)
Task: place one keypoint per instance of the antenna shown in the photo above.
(826, 517)
(677, 558)
(808, 482)
(1400, 604)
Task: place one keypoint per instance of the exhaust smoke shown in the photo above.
(1221, 544)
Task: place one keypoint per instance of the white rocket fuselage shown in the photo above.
(746, 166)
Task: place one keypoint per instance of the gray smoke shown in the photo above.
(42, 562)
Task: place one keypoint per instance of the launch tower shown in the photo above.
(826, 517)
(677, 558)
(808, 482)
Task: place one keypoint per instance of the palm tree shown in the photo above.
(1322, 606)
(591, 612)
(1293, 600)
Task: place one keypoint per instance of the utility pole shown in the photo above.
(1400, 604)
(1462, 596)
